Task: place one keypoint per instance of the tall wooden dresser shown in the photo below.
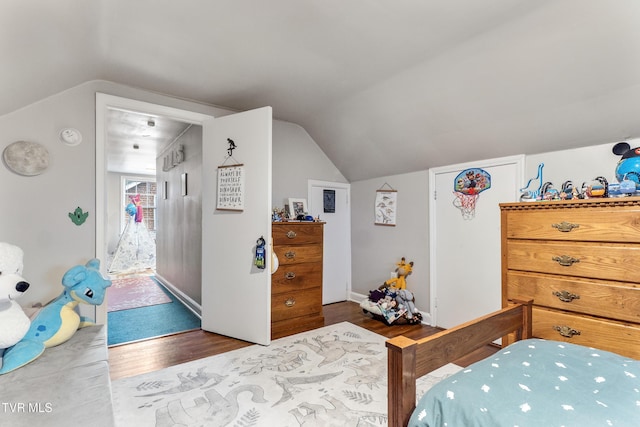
(580, 263)
(296, 287)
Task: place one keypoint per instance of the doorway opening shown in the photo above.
(129, 136)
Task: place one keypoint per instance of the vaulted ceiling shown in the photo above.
(382, 86)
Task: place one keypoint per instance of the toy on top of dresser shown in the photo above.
(58, 320)
(628, 168)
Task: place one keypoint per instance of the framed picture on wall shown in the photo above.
(297, 207)
(230, 195)
(183, 184)
(329, 201)
(385, 207)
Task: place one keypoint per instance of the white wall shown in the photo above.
(179, 218)
(35, 209)
(296, 159)
(376, 249)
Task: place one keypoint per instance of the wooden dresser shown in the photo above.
(580, 263)
(296, 287)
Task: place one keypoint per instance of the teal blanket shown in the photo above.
(537, 383)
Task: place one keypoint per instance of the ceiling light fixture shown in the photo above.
(151, 123)
(136, 146)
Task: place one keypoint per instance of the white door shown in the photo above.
(336, 269)
(236, 295)
(465, 253)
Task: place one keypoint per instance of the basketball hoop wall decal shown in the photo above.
(467, 187)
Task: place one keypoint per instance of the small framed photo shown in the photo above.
(297, 207)
(329, 200)
(183, 184)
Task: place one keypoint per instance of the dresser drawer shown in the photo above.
(580, 222)
(288, 305)
(617, 337)
(593, 260)
(292, 277)
(301, 324)
(597, 298)
(297, 254)
(296, 233)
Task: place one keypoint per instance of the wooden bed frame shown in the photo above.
(410, 359)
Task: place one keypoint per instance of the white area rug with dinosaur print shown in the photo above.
(332, 376)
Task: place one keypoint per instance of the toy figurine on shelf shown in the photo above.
(533, 195)
(596, 188)
(628, 168)
(548, 192)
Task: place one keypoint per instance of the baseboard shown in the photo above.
(184, 298)
(356, 297)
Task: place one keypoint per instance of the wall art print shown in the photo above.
(26, 158)
(386, 207)
(329, 200)
(230, 188)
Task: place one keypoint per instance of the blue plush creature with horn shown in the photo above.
(58, 320)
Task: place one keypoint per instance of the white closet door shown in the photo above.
(465, 253)
(336, 269)
(236, 295)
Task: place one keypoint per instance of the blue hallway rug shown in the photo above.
(149, 322)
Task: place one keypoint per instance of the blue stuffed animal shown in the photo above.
(58, 320)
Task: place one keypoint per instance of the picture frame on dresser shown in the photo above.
(297, 207)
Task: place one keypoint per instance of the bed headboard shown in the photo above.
(410, 359)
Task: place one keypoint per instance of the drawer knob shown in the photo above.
(291, 234)
(289, 275)
(566, 331)
(290, 255)
(565, 226)
(290, 302)
(566, 296)
(565, 260)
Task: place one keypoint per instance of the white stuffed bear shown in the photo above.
(14, 324)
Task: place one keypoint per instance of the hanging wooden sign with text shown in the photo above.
(230, 188)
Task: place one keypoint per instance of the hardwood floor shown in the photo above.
(151, 355)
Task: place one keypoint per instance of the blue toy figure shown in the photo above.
(58, 320)
(532, 195)
(628, 168)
